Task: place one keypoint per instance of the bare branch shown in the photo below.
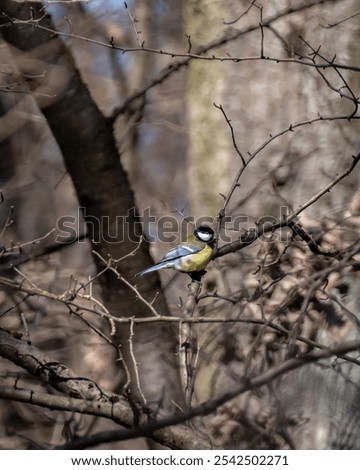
(59, 376)
(200, 52)
(245, 12)
(325, 190)
(255, 234)
(82, 394)
(135, 364)
(228, 121)
(210, 406)
(188, 342)
(116, 410)
(112, 268)
(352, 98)
(134, 21)
(332, 25)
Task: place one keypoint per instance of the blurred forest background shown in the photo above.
(177, 109)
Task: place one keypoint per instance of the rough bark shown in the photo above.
(92, 160)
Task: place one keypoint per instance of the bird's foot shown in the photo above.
(197, 276)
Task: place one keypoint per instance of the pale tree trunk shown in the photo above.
(209, 161)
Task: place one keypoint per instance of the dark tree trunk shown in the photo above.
(89, 150)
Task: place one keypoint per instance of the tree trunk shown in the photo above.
(91, 157)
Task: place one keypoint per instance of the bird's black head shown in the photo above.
(204, 233)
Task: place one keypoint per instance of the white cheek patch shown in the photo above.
(205, 236)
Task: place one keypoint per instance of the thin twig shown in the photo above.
(352, 98)
(188, 341)
(228, 122)
(110, 267)
(332, 25)
(261, 30)
(352, 317)
(135, 364)
(133, 22)
(241, 15)
(255, 234)
(8, 221)
(323, 191)
(185, 57)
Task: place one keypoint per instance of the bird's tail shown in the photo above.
(160, 265)
(149, 270)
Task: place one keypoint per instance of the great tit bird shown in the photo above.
(189, 257)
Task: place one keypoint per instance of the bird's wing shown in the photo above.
(171, 256)
(180, 251)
